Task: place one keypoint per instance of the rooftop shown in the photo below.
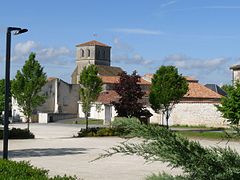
(116, 79)
(92, 43)
(235, 67)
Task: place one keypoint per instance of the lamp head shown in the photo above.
(20, 31)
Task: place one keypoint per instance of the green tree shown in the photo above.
(2, 95)
(167, 88)
(161, 144)
(227, 87)
(90, 88)
(27, 85)
(230, 105)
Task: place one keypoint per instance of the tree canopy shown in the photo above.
(2, 95)
(167, 88)
(90, 88)
(130, 103)
(27, 85)
(230, 105)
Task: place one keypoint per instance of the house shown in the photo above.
(61, 102)
(216, 88)
(103, 107)
(197, 107)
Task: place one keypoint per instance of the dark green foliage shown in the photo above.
(230, 105)
(165, 176)
(90, 88)
(97, 131)
(2, 95)
(196, 161)
(227, 87)
(17, 133)
(131, 94)
(11, 170)
(27, 85)
(167, 88)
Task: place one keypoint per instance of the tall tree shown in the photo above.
(227, 87)
(230, 105)
(2, 95)
(27, 85)
(131, 94)
(90, 88)
(167, 88)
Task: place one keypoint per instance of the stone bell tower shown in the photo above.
(92, 52)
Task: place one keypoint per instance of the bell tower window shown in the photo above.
(82, 53)
(88, 53)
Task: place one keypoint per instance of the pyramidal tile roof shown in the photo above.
(195, 89)
(92, 43)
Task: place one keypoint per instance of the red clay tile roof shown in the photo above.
(107, 97)
(51, 78)
(92, 43)
(197, 90)
(115, 80)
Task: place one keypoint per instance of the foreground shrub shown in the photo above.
(17, 133)
(97, 131)
(11, 170)
(196, 161)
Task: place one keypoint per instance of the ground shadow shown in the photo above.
(20, 153)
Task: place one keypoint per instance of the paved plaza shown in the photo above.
(55, 149)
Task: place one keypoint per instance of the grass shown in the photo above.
(221, 135)
(90, 121)
(202, 127)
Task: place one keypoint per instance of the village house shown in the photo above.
(61, 102)
(197, 107)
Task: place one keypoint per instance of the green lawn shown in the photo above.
(90, 121)
(206, 135)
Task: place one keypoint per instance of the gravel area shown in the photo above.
(55, 149)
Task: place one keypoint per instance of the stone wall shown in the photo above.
(192, 114)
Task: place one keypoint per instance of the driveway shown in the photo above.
(55, 149)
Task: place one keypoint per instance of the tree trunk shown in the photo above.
(86, 117)
(167, 117)
(28, 119)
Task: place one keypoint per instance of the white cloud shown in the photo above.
(50, 55)
(131, 59)
(185, 62)
(168, 4)
(124, 53)
(25, 47)
(137, 31)
(121, 46)
(222, 7)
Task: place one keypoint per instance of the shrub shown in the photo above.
(10, 170)
(196, 161)
(17, 133)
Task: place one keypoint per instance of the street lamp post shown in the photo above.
(7, 86)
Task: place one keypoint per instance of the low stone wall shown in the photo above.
(53, 117)
(192, 114)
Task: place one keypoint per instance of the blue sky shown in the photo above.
(200, 37)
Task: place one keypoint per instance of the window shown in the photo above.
(82, 53)
(88, 53)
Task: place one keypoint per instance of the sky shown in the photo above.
(200, 37)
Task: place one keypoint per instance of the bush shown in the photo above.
(10, 170)
(17, 133)
(196, 161)
(96, 131)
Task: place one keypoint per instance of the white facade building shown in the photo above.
(61, 102)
